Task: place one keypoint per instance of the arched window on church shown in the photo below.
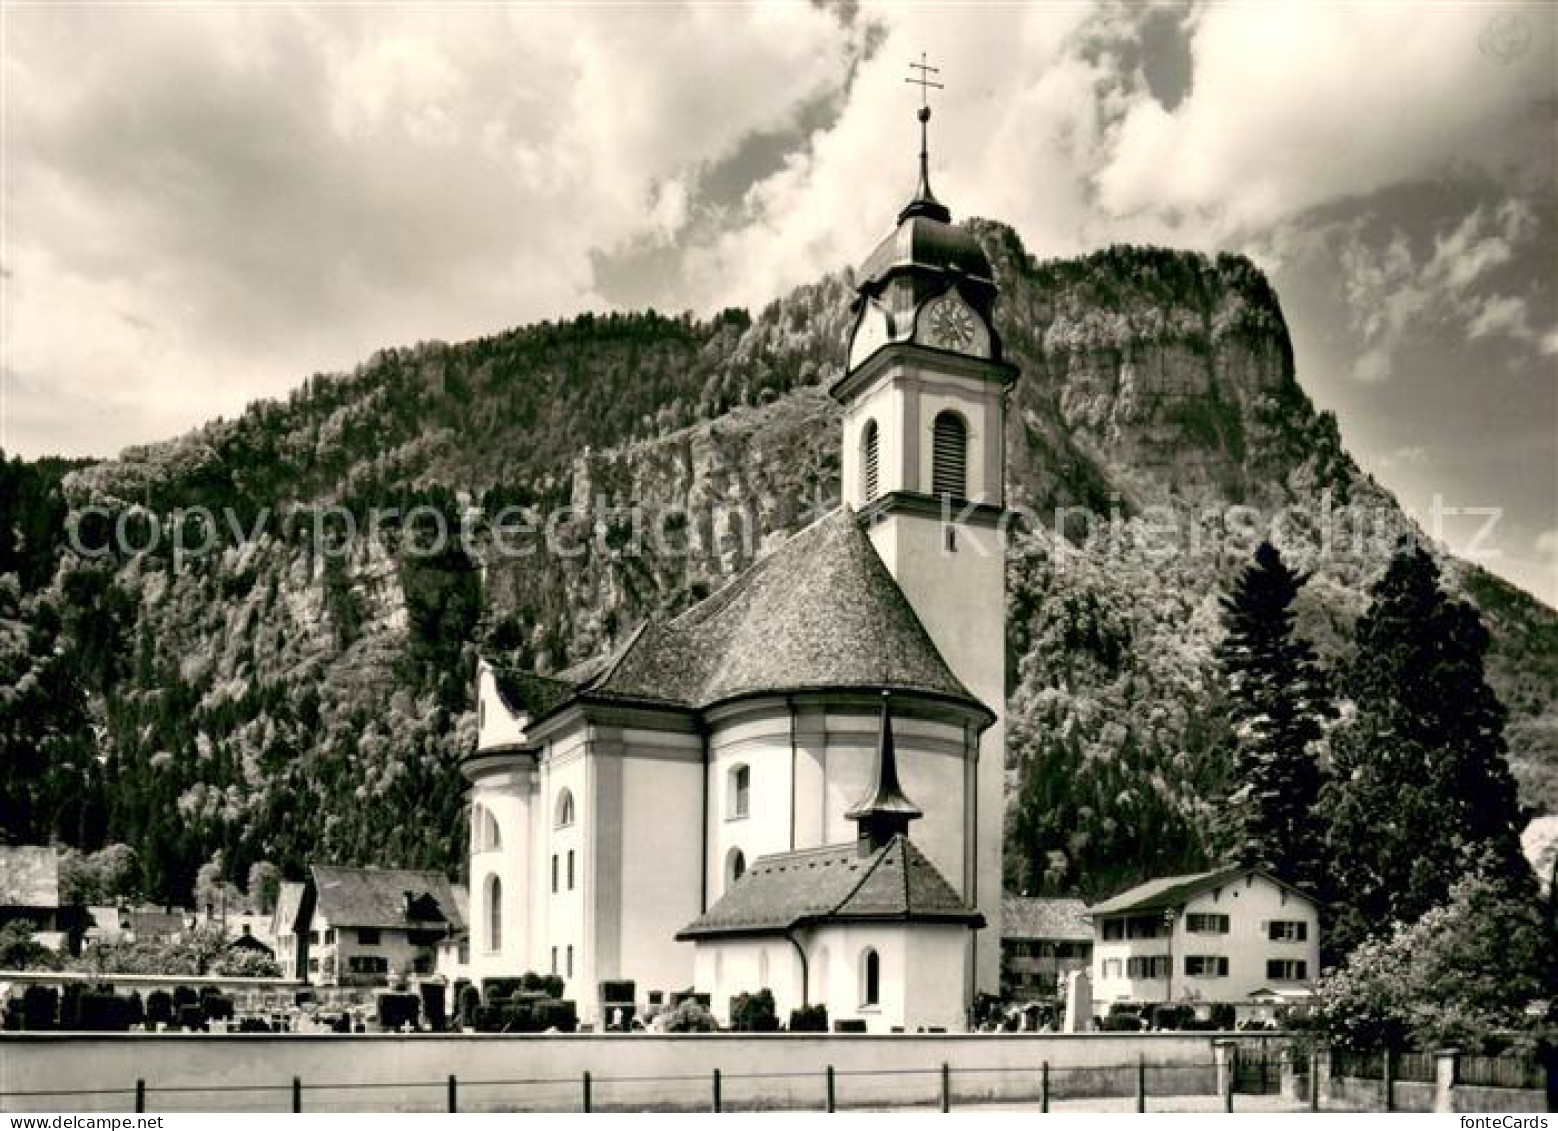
(565, 809)
(484, 830)
(738, 801)
(494, 914)
(870, 461)
(949, 456)
(735, 866)
(870, 978)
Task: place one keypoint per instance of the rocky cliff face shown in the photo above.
(1157, 432)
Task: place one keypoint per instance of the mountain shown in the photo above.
(275, 699)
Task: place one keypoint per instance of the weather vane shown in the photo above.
(924, 81)
(924, 200)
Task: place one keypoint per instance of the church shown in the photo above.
(796, 784)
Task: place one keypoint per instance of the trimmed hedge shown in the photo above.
(159, 1008)
(432, 995)
(397, 1009)
(754, 1013)
(809, 1019)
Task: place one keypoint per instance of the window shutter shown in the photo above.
(870, 461)
(949, 456)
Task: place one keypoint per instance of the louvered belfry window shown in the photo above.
(949, 456)
(870, 461)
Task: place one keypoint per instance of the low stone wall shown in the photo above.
(545, 1072)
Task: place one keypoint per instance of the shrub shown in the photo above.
(396, 1009)
(183, 995)
(192, 1016)
(619, 991)
(432, 995)
(809, 1019)
(218, 1007)
(470, 1002)
(486, 1019)
(690, 1017)
(40, 1008)
(103, 1013)
(137, 1008)
(554, 1014)
(159, 1008)
(495, 990)
(754, 1013)
(70, 1005)
(518, 1017)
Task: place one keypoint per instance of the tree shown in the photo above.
(1420, 791)
(1277, 704)
(1458, 975)
(20, 951)
(264, 886)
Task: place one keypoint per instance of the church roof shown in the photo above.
(379, 897)
(896, 883)
(926, 241)
(821, 612)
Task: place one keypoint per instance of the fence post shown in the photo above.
(140, 1095)
(1314, 1078)
(1141, 1082)
(1044, 1087)
(716, 1091)
(831, 1106)
(1446, 1065)
(1223, 1053)
(297, 1094)
(1389, 1081)
(454, 1104)
(946, 1086)
(587, 1103)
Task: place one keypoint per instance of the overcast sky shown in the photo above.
(205, 204)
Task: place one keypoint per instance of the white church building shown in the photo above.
(797, 783)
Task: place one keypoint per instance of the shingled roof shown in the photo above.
(819, 613)
(1030, 917)
(1168, 892)
(896, 883)
(377, 897)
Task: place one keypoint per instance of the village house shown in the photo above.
(1235, 936)
(30, 893)
(1042, 939)
(364, 926)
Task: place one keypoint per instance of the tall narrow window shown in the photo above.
(554, 873)
(740, 792)
(570, 869)
(949, 456)
(570, 961)
(554, 960)
(494, 914)
(565, 809)
(735, 866)
(871, 978)
(870, 461)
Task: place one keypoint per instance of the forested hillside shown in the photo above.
(274, 700)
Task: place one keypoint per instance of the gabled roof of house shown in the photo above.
(376, 897)
(896, 883)
(29, 876)
(821, 612)
(1034, 917)
(1168, 892)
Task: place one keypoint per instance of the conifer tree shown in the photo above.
(1421, 792)
(1277, 707)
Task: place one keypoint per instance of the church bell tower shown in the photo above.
(924, 400)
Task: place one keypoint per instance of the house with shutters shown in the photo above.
(1234, 936)
(365, 926)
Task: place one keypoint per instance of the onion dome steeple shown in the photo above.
(929, 281)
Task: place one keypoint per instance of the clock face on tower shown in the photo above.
(949, 323)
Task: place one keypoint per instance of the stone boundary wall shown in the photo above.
(369, 1072)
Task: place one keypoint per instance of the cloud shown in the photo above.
(1390, 289)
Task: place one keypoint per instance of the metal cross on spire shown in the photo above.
(924, 202)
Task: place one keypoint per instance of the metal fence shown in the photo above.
(1141, 1084)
